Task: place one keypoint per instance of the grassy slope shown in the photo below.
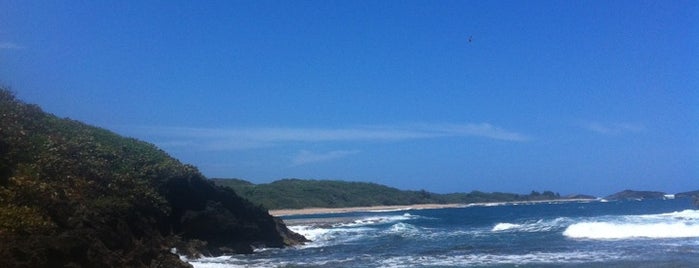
(76, 195)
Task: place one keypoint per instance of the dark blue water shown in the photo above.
(652, 233)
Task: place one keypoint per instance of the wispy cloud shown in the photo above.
(481, 130)
(613, 128)
(246, 138)
(10, 45)
(308, 157)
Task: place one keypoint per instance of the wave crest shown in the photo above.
(536, 226)
(606, 230)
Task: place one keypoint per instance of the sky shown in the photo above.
(586, 97)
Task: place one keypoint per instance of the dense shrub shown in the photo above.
(296, 193)
(76, 195)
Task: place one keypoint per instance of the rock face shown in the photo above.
(635, 195)
(79, 196)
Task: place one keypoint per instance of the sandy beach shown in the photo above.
(312, 211)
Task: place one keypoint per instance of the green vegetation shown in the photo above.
(80, 196)
(296, 193)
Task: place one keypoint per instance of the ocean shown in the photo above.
(650, 233)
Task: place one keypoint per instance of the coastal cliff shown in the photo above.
(80, 196)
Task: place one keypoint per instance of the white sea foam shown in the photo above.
(378, 220)
(607, 230)
(323, 235)
(212, 262)
(532, 226)
(457, 260)
(404, 230)
(239, 262)
(504, 226)
(441, 260)
(315, 231)
(688, 214)
(681, 224)
(462, 260)
(310, 232)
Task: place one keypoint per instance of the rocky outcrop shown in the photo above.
(228, 223)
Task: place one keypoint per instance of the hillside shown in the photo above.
(297, 193)
(81, 196)
(634, 195)
(687, 194)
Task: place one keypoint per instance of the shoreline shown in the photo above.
(315, 211)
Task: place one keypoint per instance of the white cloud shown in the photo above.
(307, 157)
(10, 45)
(482, 130)
(247, 138)
(613, 128)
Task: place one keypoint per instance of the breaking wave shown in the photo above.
(404, 230)
(352, 230)
(681, 224)
(377, 220)
(532, 226)
(607, 230)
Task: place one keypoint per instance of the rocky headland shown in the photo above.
(73, 195)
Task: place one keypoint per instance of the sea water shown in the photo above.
(651, 233)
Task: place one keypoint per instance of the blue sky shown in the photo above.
(570, 96)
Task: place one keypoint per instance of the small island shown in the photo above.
(636, 195)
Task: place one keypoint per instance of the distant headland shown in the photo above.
(299, 196)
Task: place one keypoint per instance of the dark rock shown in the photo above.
(228, 223)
